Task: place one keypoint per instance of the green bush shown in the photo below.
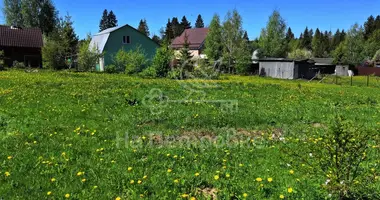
(130, 62)
(300, 54)
(205, 71)
(53, 54)
(175, 73)
(110, 69)
(87, 58)
(161, 61)
(149, 72)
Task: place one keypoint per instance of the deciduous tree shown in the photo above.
(213, 42)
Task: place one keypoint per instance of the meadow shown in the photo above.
(67, 135)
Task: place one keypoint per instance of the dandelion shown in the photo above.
(145, 177)
(259, 179)
(168, 154)
(176, 181)
(241, 165)
(282, 196)
(141, 196)
(49, 193)
(196, 174)
(7, 174)
(193, 198)
(245, 195)
(139, 182)
(53, 180)
(84, 180)
(228, 175)
(291, 172)
(216, 177)
(130, 168)
(270, 180)
(169, 170)
(95, 187)
(290, 190)
(67, 196)
(184, 195)
(80, 173)
(117, 198)
(175, 156)
(9, 157)
(132, 181)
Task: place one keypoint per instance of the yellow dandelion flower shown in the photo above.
(9, 157)
(259, 179)
(282, 196)
(245, 195)
(241, 165)
(132, 181)
(176, 181)
(7, 174)
(270, 180)
(63, 154)
(95, 187)
(130, 168)
(228, 175)
(168, 154)
(290, 190)
(49, 193)
(84, 180)
(193, 198)
(53, 180)
(80, 173)
(117, 198)
(169, 170)
(139, 182)
(145, 177)
(216, 177)
(184, 195)
(291, 172)
(141, 196)
(67, 196)
(196, 174)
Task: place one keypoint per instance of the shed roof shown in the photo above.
(20, 37)
(323, 61)
(195, 38)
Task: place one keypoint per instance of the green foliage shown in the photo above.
(130, 62)
(111, 20)
(157, 39)
(339, 54)
(341, 154)
(184, 24)
(108, 20)
(175, 73)
(300, 54)
(376, 57)
(110, 69)
(355, 45)
(306, 39)
(18, 65)
(213, 42)
(372, 44)
(169, 33)
(2, 60)
(53, 53)
(318, 45)
(203, 70)
(199, 23)
(69, 38)
(143, 27)
(161, 61)
(87, 57)
(185, 62)
(273, 38)
(149, 72)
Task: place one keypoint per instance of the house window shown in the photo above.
(126, 40)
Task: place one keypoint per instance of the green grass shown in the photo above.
(56, 124)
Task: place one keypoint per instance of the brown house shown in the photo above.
(195, 37)
(22, 45)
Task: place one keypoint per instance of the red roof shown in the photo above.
(195, 38)
(20, 37)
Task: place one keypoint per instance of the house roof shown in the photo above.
(20, 37)
(195, 38)
(323, 61)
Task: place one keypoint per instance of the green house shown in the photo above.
(111, 40)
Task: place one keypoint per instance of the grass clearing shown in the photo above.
(65, 133)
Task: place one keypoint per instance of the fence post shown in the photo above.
(367, 80)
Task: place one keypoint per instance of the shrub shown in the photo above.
(149, 72)
(161, 61)
(53, 54)
(204, 71)
(300, 54)
(110, 69)
(175, 73)
(130, 62)
(18, 65)
(87, 57)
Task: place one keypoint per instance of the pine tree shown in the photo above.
(156, 39)
(369, 27)
(143, 27)
(168, 34)
(199, 23)
(245, 36)
(289, 35)
(176, 27)
(48, 17)
(317, 44)
(104, 21)
(111, 20)
(377, 22)
(306, 39)
(69, 38)
(185, 24)
(213, 42)
(185, 62)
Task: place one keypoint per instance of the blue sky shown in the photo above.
(324, 14)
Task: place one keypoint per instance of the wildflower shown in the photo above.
(216, 177)
(132, 181)
(245, 195)
(10, 157)
(241, 165)
(130, 168)
(282, 196)
(169, 170)
(143, 137)
(112, 161)
(259, 179)
(176, 181)
(175, 156)
(168, 154)
(141, 196)
(83, 180)
(63, 154)
(7, 174)
(291, 172)
(145, 177)
(67, 196)
(290, 190)
(193, 198)
(139, 182)
(196, 174)
(80, 173)
(53, 180)
(270, 180)
(228, 175)
(184, 195)
(95, 187)
(117, 198)
(49, 193)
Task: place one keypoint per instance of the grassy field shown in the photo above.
(99, 136)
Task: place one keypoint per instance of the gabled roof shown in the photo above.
(195, 38)
(20, 37)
